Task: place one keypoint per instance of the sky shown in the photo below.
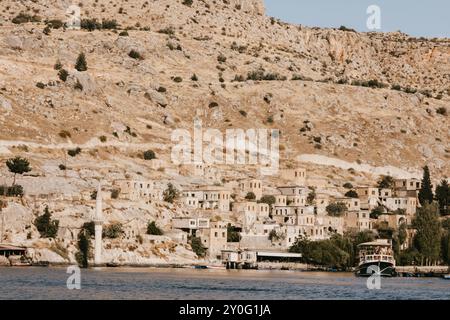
(430, 18)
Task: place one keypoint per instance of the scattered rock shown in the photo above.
(83, 78)
(156, 97)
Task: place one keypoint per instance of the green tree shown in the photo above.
(443, 197)
(82, 255)
(270, 200)
(376, 212)
(81, 63)
(351, 194)
(47, 227)
(250, 196)
(386, 182)
(18, 165)
(426, 191)
(170, 194)
(89, 229)
(153, 229)
(232, 234)
(113, 231)
(311, 197)
(428, 237)
(197, 247)
(336, 209)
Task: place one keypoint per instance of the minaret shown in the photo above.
(98, 220)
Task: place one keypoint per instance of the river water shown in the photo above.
(152, 283)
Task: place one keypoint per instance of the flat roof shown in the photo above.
(11, 247)
(278, 254)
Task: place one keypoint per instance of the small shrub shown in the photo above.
(74, 152)
(161, 90)
(243, 113)
(348, 185)
(103, 139)
(62, 167)
(47, 30)
(123, 34)
(194, 77)
(153, 229)
(178, 79)
(65, 134)
(344, 28)
(109, 24)
(169, 31)
(63, 74)
(40, 85)
(149, 155)
(113, 231)
(188, 2)
(135, 55)
(221, 58)
(115, 193)
(90, 24)
(78, 86)
(55, 24)
(58, 65)
(24, 18)
(442, 111)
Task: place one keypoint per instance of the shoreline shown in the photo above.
(402, 271)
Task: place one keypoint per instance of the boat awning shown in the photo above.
(375, 243)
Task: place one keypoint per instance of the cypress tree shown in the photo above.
(81, 64)
(426, 192)
(443, 197)
(428, 238)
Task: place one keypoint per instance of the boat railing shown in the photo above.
(370, 258)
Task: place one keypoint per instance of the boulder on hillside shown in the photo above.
(156, 97)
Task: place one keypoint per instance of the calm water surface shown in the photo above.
(152, 283)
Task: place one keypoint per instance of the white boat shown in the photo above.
(377, 254)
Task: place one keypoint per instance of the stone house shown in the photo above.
(252, 185)
(214, 238)
(139, 190)
(207, 198)
(297, 176)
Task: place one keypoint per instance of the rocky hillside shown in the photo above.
(350, 106)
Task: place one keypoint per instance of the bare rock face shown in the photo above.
(156, 97)
(14, 42)
(5, 104)
(88, 85)
(250, 6)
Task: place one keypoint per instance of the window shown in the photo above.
(215, 234)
